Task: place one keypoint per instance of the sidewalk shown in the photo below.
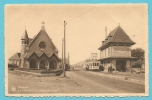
(140, 78)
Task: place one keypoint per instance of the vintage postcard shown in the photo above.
(76, 50)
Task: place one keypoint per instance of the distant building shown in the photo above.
(116, 51)
(15, 59)
(36, 53)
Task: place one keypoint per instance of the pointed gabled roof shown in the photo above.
(41, 54)
(15, 56)
(42, 32)
(117, 35)
(29, 54)
(25, 36)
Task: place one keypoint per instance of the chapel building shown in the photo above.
(37, 53)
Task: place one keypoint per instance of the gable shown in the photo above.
(15, 56)
(33, 56)
(54, 57)
(42, 36)
(44, 56)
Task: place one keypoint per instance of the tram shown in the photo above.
(94, 65)
(91, 65)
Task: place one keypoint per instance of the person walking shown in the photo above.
(110, 68)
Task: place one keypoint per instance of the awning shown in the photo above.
(107, 58)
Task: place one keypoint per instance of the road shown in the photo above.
(103, 84)
(76, 82)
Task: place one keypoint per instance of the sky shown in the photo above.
(85, 29)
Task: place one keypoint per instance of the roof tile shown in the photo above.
(117, 35)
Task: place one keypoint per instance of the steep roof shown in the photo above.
(117, 35)
(25, 36)
(42, 31)
(15, 56)
(40, 54)
(30, 40)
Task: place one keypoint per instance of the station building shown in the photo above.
(115, 51)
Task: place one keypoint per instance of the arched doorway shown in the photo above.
(121, 65)
(52, 64)
(33, 64)
(42, 64)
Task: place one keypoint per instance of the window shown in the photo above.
(105, 53)
(108, 51)
(42, 45)
(102, 54)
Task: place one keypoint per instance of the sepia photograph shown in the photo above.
(76, 49)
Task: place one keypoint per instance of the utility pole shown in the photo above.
(62, 54)
(68, 59)
(64, 48)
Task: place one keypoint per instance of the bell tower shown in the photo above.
(24, 43)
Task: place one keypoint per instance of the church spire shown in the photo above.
(43, 27)
(25, 35)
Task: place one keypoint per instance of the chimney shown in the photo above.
(102, 42)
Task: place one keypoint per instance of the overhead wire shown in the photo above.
(81, 14)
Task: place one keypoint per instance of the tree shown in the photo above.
(137, 64)
(138, 52)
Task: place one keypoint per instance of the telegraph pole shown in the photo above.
(68, 59)
(62, 54)
(64, 48)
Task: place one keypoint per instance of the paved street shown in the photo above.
(77, 81)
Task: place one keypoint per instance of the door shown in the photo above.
(52, 64)
(42, 64)
(33, 64)
(121, 65)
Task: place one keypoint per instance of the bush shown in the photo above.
(137, 64)
(12, 66)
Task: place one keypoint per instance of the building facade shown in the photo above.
(115, 51)
(38, 52)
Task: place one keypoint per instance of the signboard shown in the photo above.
(94, 55)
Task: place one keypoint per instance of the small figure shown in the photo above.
(131, 71)
(47, 67)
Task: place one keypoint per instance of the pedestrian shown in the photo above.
(110, 68)
(85, 68)
(131, 71)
